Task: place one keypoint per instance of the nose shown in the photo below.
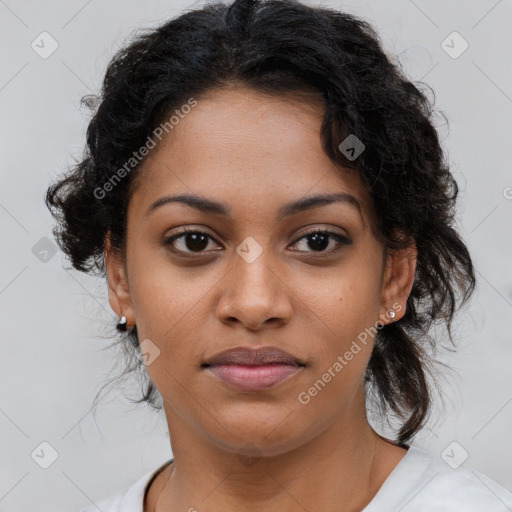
(255, 295)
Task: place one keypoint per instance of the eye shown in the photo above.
(193, 241)
(319, 240)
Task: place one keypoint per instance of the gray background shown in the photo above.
(52, 319)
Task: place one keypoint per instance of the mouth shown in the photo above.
(253, 357)
(253, 370)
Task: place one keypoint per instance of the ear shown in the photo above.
(398, 279)
(118, 288)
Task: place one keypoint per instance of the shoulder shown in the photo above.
(111, 504)
(465, 490)
(423, 483)
(130, 499)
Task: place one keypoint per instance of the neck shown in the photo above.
(339, 470)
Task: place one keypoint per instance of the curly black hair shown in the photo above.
(285, 47)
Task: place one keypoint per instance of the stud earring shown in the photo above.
(121, 325)
(391, 314)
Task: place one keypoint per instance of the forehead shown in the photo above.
(242, 146)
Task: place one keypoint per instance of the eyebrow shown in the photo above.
(214, 207)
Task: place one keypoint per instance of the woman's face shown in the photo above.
(254, 278)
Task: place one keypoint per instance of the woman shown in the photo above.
(268, 199)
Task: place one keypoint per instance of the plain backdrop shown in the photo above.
(52, 318)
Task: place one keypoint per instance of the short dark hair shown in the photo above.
(281, 47)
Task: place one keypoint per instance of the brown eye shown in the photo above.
(319, 241)
(190, 241)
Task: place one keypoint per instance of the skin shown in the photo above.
(264, 450)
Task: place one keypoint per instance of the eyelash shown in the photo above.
(342, 240)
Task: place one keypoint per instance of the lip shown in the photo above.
(253, 357)
(253, 378)
(250, 369)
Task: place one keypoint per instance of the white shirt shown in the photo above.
(419, 483)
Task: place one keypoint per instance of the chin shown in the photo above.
(255, 436)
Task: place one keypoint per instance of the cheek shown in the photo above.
(162, 302)
(163, 296)
(359, 302)
(168, 312)
(347, 310)
(342, 312)
(346, 301)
